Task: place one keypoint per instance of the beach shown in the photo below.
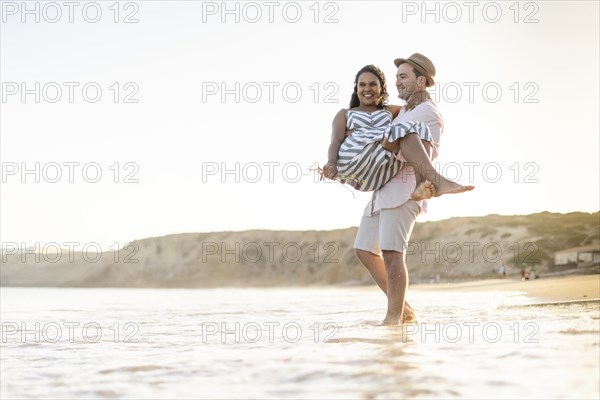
(484, 339)
(555, 289)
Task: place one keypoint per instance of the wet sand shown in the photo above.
(556, 289)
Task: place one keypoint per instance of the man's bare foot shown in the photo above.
(391, 321)
(409, 316)
(425, 190)
(447, 187)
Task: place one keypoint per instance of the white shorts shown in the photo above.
(389, 229)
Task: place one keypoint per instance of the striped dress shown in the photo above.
(362, 160)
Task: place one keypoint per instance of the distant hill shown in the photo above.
(454, 249)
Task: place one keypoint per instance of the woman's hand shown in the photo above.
(330, 170)
(416, 98)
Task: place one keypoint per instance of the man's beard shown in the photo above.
(406, 92)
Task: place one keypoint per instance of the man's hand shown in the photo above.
(394, 147)
(330, 170)
(416, 98)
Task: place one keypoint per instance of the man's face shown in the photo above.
(407, 82)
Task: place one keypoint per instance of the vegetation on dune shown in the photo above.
(453, 249)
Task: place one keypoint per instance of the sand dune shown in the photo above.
(451, 250)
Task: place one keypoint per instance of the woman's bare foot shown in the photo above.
(445, 186)
(425, 190)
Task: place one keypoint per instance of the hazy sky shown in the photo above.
(202, 116)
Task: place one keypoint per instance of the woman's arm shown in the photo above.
(338, 134)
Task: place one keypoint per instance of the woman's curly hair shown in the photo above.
(383, 99)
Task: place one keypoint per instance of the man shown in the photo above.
(390, 215)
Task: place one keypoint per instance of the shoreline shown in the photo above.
(551, 289)
(555, 289)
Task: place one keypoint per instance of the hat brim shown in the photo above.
(428, 78)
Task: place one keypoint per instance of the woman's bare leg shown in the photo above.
(415, 153)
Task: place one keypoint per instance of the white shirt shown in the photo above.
(398, 190)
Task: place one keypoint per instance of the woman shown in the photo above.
(356, 154)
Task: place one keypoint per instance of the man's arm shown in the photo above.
(394, 109)
(429, 115)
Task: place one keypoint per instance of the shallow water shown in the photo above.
(292, 343)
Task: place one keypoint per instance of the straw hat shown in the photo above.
(421, 64)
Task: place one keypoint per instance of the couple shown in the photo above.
(389, 149)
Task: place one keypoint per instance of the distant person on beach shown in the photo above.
(502, 270)
(390, 214)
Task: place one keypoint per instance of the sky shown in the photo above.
(126, 120)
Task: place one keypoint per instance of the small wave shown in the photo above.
(579, 332)
(106, 394)
(362, 340)
(135, 368)
(592, 303)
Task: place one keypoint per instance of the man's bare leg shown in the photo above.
(416, 154)
(397, 283)
(376, 267)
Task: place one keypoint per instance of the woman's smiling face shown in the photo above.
(368, 89)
